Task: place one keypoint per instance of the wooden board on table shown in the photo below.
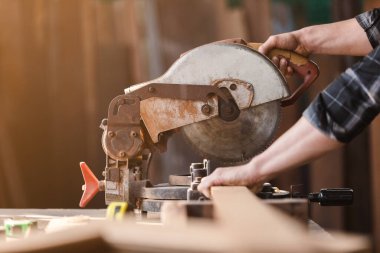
(263, 228)
(244, 223)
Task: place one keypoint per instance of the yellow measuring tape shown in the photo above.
(116, 210)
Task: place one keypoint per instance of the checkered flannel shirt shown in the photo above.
(352, 100)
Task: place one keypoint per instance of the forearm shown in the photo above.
(299, 145)
(341, 38)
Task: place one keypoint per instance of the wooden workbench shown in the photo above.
(241, 224)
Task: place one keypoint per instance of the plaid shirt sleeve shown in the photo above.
(352, 100)
(370, 22)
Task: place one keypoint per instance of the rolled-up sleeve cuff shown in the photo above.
(350, 102)
(316, 115)
(370, 22)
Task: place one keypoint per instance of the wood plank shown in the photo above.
(237, 208)
(261, 227)
(9, 212)
(127, 236)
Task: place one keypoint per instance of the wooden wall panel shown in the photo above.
(12, 190)
(374, 139)
(62, 62)
(258, 19)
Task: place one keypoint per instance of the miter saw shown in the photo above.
(225, 97)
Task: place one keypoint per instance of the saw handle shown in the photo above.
(304, 67)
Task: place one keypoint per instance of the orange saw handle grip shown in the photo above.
(304, 67)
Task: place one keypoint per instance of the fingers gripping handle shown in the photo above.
(304, 67)
(309, 72)
(91, 185)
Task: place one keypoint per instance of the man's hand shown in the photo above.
(340, 38)
(289, 41)
(245, 175)
(300, 144)
(331, 39)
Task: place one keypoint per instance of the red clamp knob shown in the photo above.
(91, 184)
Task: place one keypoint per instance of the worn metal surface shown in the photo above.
(124, 181)
(193, 92)
(197, 171)
(231, 81)
(162, 107)
(184, 180)
(117, 189)
(181, 104)
(163, 114)
(194, 194)
(241, 91)
(252, 81)
(164, 192)
(239, 69)
(122, 134)
(224, 96)
(216, 61)
(238, 140)
(152, 205)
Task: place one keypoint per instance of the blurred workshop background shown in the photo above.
(62, 61)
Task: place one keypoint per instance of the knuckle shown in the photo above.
(273, 38)
(218, 172)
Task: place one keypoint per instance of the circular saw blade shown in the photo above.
(235, 141)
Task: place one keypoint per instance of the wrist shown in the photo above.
(303, 36)
(256, 174)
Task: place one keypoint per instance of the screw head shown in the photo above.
(111, 134)
(133, 134)
(233, 86)
(151, 89)
(206, 109)
(122, 154)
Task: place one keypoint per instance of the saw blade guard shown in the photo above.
(252, 81)
(232, 67)
(257, 81)
(209, 63)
